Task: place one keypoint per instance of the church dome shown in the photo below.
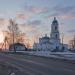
(54, 21)
(45, 37)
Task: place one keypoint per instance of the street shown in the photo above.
(33, 65)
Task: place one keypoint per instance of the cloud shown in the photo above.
(4, 21)
(23, 15)
(64, 12)
(62, 16)
(71, 31)
(63, 9)
(36, 9)
(28, 28)
(30, 12)
(35, 22)
(39, 10)
(67, 17)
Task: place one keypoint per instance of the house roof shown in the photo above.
(17, 44)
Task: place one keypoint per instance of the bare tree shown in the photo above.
(14, 30)
(72, 43)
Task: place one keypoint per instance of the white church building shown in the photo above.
(52, 43)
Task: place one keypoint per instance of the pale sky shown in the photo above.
(35, 16)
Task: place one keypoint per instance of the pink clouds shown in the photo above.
(30, 11)
(23, 15)
(63, 12)
(39, 10)
(36, 9)
(4, 21)
(68, 17)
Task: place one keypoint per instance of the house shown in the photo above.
(17, 47)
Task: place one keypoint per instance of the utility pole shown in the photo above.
(62, 40)
(74, 42)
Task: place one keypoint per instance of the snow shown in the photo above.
(59, 55)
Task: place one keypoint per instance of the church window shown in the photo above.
(55, 27)
(56, 35)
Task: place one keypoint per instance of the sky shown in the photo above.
(35, 16)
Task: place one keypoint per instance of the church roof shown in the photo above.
(17, 44)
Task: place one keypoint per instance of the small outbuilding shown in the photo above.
(17, 47)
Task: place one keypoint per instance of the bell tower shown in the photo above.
(55, 36)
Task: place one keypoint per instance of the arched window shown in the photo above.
(56, 36)
(55, 27)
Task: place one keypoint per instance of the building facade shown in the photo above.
(52, 43)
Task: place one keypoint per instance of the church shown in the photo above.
(52, 43)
